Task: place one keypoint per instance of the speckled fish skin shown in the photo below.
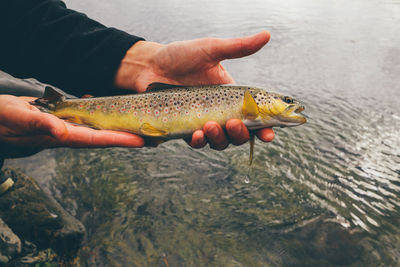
(178, 112)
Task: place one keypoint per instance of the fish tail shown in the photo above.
(50, 97)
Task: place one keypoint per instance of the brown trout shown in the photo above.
(169, 112)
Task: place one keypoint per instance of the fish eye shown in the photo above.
(287, 99)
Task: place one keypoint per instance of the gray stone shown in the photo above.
(36, 217)
(10, 244)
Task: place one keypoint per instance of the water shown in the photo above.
(327, 192)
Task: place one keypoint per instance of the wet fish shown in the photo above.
(168, 112)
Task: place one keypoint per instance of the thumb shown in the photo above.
(48, 124)
(220, 49)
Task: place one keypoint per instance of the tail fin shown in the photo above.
(51, 96)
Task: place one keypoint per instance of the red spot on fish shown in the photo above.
(98, 107)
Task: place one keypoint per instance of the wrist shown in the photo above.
(135, 65)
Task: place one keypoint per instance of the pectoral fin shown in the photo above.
(149, 130)
(250, 109)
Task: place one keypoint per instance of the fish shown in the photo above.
(168, 112)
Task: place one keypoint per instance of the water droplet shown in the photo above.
(246, 179)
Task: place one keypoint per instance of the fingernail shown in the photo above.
(236, 129)
(212, 131)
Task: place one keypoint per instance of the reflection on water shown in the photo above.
(325, 192)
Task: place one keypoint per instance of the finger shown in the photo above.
(36, 123)
(215, 135)
(225, 77)
(266, 134)
(49, 124)
(221, 49)
(86, 137)
(198, 139)
(27, 98)
(237, 132)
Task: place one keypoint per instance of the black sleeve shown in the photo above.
(45, 40)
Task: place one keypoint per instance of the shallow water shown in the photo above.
(327, 192)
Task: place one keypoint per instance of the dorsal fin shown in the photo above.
(161, 86)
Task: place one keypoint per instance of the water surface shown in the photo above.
(323, 193)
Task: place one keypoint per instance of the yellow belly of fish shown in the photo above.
(171, 126)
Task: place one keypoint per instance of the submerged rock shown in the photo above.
(10, 244)
(36, 217)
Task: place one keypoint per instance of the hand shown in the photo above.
(194, 62)
(24, 130)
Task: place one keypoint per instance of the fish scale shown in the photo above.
(177, 111)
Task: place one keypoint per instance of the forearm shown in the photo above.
(45, 40)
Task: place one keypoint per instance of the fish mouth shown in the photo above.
(293, 116)
(299, 109)
(300, 117)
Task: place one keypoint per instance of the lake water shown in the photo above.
(325, 193)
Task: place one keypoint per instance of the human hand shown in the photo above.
(24, 130)
(194, 62)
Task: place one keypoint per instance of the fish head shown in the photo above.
(280, 110)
